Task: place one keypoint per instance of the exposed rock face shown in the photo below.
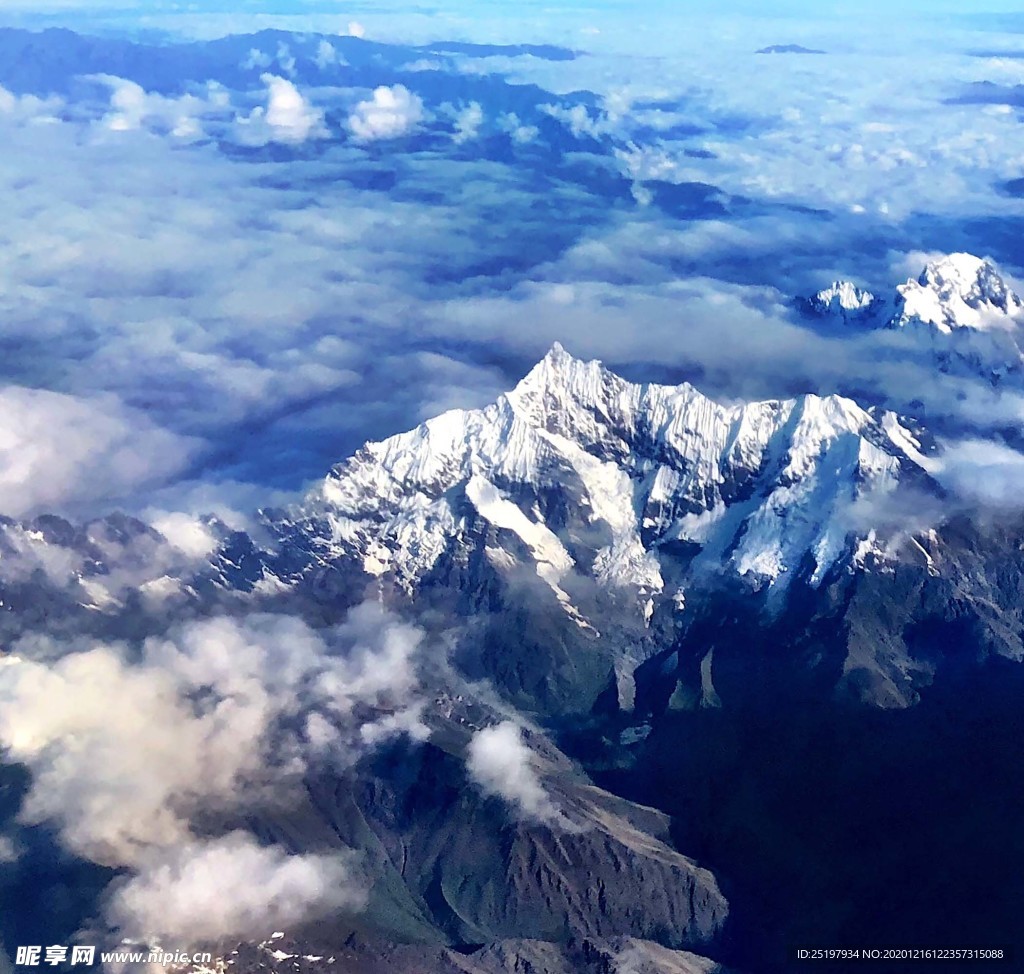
(450, 866)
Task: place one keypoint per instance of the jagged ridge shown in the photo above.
(578, 471)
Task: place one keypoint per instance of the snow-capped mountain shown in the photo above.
(842, 301)
(599, 540)
(579, 474)
(962, 312)
(638, 546)
(959, 312)
(956, 292)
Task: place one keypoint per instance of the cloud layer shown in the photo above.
(59, 451)
(281, 252)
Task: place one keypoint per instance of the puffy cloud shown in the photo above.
(257, 59)
(91, 710)
(578, 120)
(133, 108)
(128, 747)
(468, 122)
(204, 891)
(285, 59)
(501, 763)
(180, 511)
(519, 132)
(287, 117)
(185, 532)
(9, 851)
(59, 451)
(327, 55)
(28, 108)
(390, 113)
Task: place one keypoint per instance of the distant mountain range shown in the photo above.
(788, 49)
(959, 312)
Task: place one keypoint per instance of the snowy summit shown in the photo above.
(579, 473)
(959, 291)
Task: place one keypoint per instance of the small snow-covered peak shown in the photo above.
(557, 353)
(842, 296)
(584, 400)
(958, 291)
(959, 316)
(845, 303)
(558, 367)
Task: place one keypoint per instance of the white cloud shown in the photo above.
(257, 59)
(9, 851)
(390, 113)
(203, 891)
(127, 748)
(983, 472)
(58, 450)
(185, 532)
(288, 117)
(518, 132)
(354, 29)
(327, 56)
(579, 121)
(285, 59)
(28, 108)
(122, 779)
(468, 123)
(133, 108)
(501, 763)
(644, 163)
(424, 64)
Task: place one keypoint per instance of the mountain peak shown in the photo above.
(845, 295)
(556, 362)
(583, 477)
(557, 352)
(959, 291)
(843, 301)
(959, 314)
(560, 379)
